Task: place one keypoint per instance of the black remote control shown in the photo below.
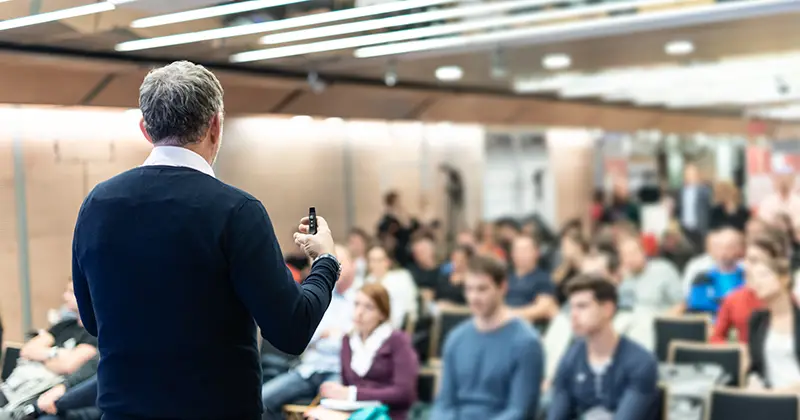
(312, 220)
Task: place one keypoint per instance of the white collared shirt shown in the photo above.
(178, 156)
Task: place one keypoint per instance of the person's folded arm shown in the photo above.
(639, 397)
(526, 384)
(544, 307)
(37, 349)
(68, 361)
(81, 286)
(404, 378)
(83, 373)
(288, 313)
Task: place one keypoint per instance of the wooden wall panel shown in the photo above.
(10, 303)
(571, 159)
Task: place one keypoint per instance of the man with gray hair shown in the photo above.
(173, 269)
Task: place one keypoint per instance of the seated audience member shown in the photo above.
(621, 206)
(774, 331)
(493, 363)
(710, 288)
(736, 309)
(401, 287)
(701, 263)
(59, 351)
(395, 228)
(378, 361)
(531, 294)
(675, 248)
(74, 399)
(320, 361)
(450, 287)
(507, 230)
(425, 267)
(728, 210)
(652, 286)
(358, 242)
(488, 244)
(603, 375)
(573, 249)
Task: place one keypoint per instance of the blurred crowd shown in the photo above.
(550, 325)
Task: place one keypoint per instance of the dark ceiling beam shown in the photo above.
(97, 89)
(142, 61)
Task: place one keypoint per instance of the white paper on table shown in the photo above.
(346, 405)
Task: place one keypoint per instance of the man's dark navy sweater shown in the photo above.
(627, 387)
(171, 268)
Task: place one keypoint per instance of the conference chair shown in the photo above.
(11, 354)
(730, 357)
(693, 327)
(447, 320)
(296, 411)
(662, 409)
(428, 384)
(738, 404)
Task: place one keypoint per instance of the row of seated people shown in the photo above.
(598, 261)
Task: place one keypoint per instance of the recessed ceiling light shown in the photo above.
(335, 120)
(556, 61)
(449, 73)
(301, 118)
(679, 48)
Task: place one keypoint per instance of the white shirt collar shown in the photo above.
(178, 156)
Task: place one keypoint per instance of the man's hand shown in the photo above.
(47, 401)
(314, 245)
(334, 391)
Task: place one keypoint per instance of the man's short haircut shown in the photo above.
(604, 290)
(390, 198)
(360, 233)
(422, 235)
(612, 259)
(488, 266)
(508, 222)
(178, 102)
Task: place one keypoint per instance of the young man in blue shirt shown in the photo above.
(603, 375)
(726, 275)
(493, 363)
(531, 293)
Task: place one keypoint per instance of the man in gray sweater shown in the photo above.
(493, 363)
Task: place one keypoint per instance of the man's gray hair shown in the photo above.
(178, 102)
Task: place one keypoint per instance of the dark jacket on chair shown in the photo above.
(759, 326)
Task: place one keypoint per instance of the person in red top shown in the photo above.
(734, 314)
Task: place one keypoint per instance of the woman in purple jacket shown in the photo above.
(378, 362)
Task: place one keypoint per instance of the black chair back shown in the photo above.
(729, 357)
(426, 386)
(446, 323)
(9, 362)
(667, 329)
(731, 404)
(274, 362)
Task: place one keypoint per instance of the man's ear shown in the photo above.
(215, 128)
(143, 127)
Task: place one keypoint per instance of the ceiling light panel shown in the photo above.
(209, 12)
(408, 19)
(430, 32)
(279, 25)
(594, 28)
(56, 15)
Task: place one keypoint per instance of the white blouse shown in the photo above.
(782, 368)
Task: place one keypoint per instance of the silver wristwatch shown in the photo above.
(334, 259)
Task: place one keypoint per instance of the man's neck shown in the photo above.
(727, 267)
(427, 265)
(495, 320)
(602, 344)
